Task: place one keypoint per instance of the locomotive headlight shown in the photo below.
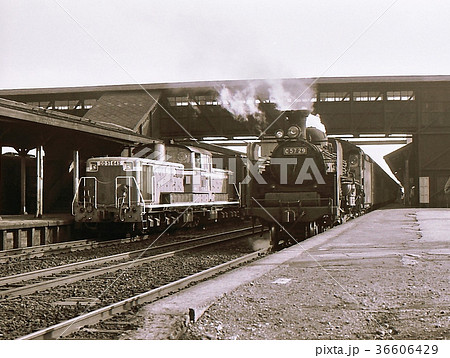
(128, 166)
(353, 159)
(279, 134)
(92, 167)
(294, 132)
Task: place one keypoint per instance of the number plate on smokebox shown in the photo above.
(294, 151)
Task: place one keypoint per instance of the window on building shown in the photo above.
(400, 95)
(75, 104)
(201, 100)
(207, 100)
(61, 105)
(370, 96)
(89, 103)
(178, 101)
(334, 97)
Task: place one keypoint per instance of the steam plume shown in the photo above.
(285, 94)
(290, 95)
(241, 103)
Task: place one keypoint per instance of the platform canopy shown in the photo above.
(26, 126)
(63, 142)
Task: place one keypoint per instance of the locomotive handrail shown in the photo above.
(140, 196)
(153, 192)
(75, 197)
(238, 192)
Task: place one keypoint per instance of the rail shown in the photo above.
(131, 256)
(67, 327)
(70, 246)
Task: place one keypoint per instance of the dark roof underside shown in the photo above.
(17, 117)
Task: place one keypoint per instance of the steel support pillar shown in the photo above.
(23, 181)
(406, 185)
(76, 171)
(23, 185)
(40, 181)
(1, 155)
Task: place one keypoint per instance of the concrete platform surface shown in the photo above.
(384, 275)
(29, 221)
(21, 231)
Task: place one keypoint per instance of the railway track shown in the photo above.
(40, 280)
(42, 251)
(14, 265)
(65, 247)
(58, 293)
(60, 248)
(105, 313)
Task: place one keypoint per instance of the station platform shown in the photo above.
(384, 275)
(18, 231)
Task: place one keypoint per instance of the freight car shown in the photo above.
(137, 195)
(303, 182)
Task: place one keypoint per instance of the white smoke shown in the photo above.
(240, 103)
(316, 122)
(291, 95)
(285, 94)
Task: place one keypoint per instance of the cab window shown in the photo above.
(197, 160)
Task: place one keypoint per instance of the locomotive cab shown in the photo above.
(116, 189)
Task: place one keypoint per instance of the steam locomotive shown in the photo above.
(137, 195)
(302, 182)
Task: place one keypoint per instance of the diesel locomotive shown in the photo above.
(301, 182)
(137, 195)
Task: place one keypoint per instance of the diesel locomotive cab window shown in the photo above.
(198, 161)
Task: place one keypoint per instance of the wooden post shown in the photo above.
(16, 238)
(57, 231)
(30, 235)
(3, 239)
(43, 235)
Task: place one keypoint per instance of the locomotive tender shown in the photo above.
(136, 195)
(303, 182)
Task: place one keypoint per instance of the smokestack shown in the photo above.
(296, 117)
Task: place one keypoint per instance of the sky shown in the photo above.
(60, 43)
(55, 43)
